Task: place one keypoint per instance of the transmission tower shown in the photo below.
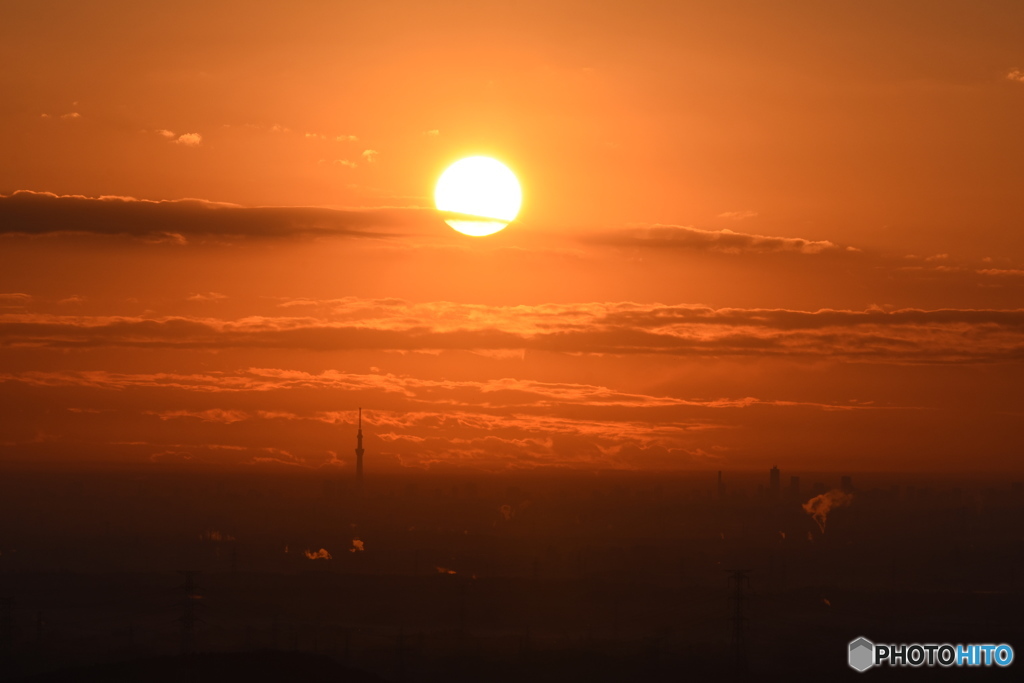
(738, 581)
(6, 625)
(188, 618)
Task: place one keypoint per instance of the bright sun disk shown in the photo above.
(483, 189)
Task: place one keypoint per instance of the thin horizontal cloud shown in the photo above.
(14, 298)
(204, 452)
(423, 433)
(427, 436)
(873, 335)
(737, 215)
(726, 241)
(43, 213)
(498, 395)
(489, 452)
(208, 296)
(211, 415)
(499, 424)
(1003, 272)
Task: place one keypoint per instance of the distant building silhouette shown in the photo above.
(721, 486)
(794, 487)
(359, 451)
(773, 483)
(846, 484)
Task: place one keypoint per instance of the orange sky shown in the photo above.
(752, 234)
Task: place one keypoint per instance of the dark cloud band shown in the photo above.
(42, 213)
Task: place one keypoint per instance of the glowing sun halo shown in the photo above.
(482, 189)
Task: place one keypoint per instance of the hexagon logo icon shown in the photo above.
(862, 654)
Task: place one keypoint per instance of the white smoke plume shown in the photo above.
(357, 546)
(819, 506)
(321, 554)
(444, 570)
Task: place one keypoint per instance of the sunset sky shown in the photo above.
(752, 234)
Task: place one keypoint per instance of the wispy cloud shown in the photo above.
(186, 139)
(737, 215)
(14, 298)
(727, 241)
(208, 296)
(189, 139)
(340, 162)
(211, 415)
(1003, 272)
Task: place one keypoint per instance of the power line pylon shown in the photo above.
(6, 625)
(738, 580)
(188, 618)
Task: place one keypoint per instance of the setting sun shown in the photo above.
(484, 190)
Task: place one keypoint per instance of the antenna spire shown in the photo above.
(359, 451)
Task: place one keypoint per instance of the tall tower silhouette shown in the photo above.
(359, 451)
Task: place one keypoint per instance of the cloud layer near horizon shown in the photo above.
(243, 353)
(444, 388)
(898, 336)
(273, 414)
